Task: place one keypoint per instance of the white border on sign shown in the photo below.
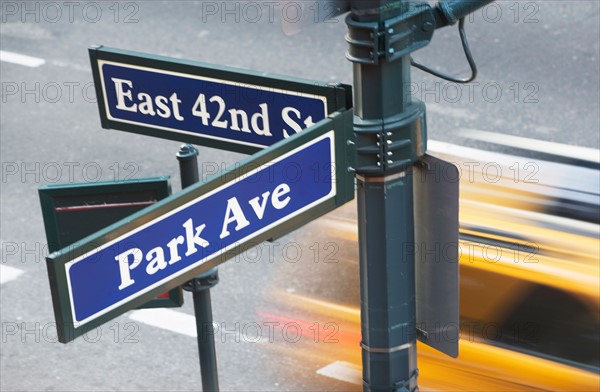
(189, 76)
(332, 192)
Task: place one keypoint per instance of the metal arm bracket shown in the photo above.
(398, 37)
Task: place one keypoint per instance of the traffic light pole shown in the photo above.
(391, 135)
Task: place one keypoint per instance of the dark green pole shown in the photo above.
(391, 135)
(200, 286)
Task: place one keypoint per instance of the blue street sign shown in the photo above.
(274, 192)
(197, 103)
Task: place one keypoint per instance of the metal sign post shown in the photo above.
(391, 136)
(200, 286)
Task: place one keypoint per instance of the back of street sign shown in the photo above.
(213, 106)
(436, 192)
(272, 193)
(73, 211)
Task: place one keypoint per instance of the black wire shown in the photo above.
(465, 45)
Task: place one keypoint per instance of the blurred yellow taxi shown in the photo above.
(529, 286)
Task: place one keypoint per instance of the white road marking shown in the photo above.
(21, 59)
(585, 153)
(8, 273)
(168, 319)
(185, 324)
(76, 67)
(342, 371)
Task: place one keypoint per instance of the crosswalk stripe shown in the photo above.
(342, 371)
(8, 273)
(21, 59)
(168, 319)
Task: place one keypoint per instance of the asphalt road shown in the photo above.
(539, 78)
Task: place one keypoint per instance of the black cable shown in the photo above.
(465, 45)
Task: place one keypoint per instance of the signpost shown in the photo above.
(391, 140)
(304, 173)
(219, 107)
(272, 193)
(302, 167)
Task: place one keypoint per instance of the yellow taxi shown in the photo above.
(529, 290)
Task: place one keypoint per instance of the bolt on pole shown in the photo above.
(390, 137)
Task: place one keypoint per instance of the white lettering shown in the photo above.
(296, 127)
(173, 251)
(122, 94)
(175, 103)
(233, 213)
(156, 260)
(262, 116)
(125, 267)
(235, 116)
(146, 107)
(193, 239)
(163, 108)
(280, 191)
(259, 209)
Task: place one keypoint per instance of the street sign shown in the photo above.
(272, 193)
(436, 191)
(73, 211)
(213, 106)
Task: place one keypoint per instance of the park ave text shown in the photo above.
(234, 215)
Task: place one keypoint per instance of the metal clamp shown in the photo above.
(408, 32)
(391, 148)
(398, 37)
(363, 39)
(390, 350)
(203, 281)
(409, 385)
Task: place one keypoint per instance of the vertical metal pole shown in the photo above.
(390, 129)
(387, 282)
(200, 286)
